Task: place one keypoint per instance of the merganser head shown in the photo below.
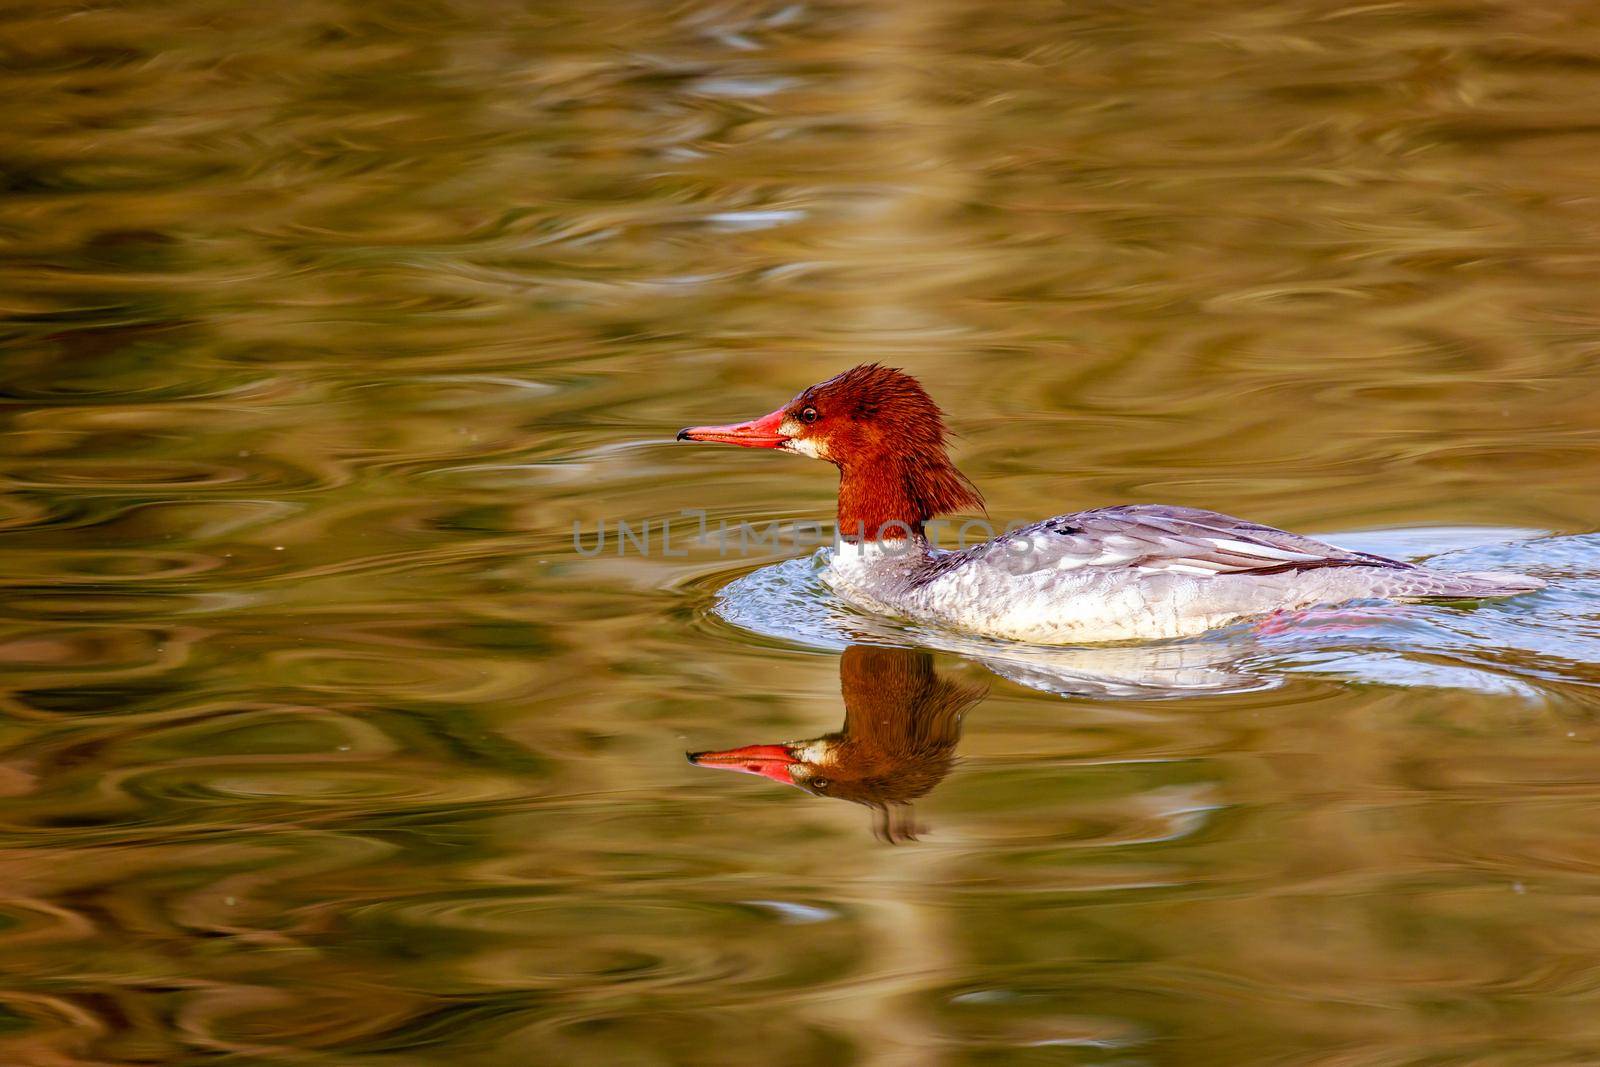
(902, 722)
(884, 433)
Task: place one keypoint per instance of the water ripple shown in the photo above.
(322, 323)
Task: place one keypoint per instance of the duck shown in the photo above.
(902, 722)
(1129, 572)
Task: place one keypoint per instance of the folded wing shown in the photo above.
(1158, 539)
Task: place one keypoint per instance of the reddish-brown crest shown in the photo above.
(887, 437)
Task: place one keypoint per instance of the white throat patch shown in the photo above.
(803, 446)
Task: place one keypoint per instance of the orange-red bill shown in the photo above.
(769, 761)
(757, 433)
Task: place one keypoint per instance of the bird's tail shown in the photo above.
(1427, 584)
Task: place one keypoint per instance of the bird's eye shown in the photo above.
(820, 783)
(808, 415)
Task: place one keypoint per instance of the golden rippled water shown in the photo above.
(323, 742)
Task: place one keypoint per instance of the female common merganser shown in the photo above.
(901, 724)
(1110, 574)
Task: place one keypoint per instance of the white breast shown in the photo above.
(1052, 605)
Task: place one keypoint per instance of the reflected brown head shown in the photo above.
(884, 433)
(902, 722)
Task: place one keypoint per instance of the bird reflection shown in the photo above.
(901, 724)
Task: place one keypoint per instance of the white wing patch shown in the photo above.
(1260, 550)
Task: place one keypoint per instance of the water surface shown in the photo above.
(324, 323)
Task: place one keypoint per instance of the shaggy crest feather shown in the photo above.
(888, 439)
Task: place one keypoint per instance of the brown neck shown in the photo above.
(890, 498)
(876, 509)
